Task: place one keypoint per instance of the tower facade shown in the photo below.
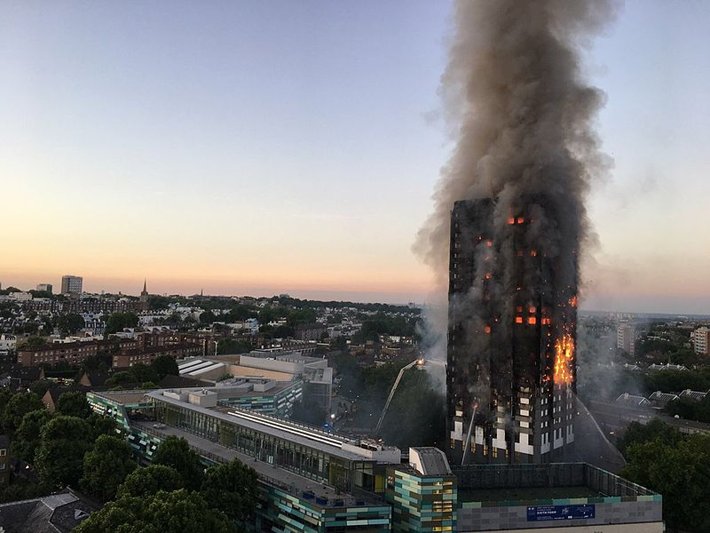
(72, 284)
(511, 338)
(144, 292)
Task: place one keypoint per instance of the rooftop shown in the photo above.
(548, 481)
(124, 397)
(311, 437)
(429, 461)
(284, 479)
(57, 512)
(525, 494)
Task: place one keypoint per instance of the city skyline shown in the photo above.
(272, 149)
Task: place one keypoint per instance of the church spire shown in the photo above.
(144, 292)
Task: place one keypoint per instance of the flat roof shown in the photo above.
(285, 479)
(523, 494)
(272, 426)
(279, 386)
(123, 397)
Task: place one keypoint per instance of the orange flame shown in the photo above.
(564, 358)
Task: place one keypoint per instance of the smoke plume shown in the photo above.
(524, 159)
(521, 115)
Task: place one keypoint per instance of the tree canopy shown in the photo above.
(59, 457)
(680, 472)
(73, 404)
(165, 511)
(232, 489)
(118, 321)
(27, 436)
(164, 365)
(106, 467)
(17, 407)
(176, 453)
(70, 323)
(148, 481)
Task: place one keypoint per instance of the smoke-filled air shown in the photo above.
(509, 220)
(521, 116)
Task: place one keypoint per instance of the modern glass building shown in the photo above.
(311, 481)
(423, 493)
(316, 482)
(278, 400)
(309, 452)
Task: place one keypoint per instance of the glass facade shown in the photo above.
(307, 461)
(279, 404)
(285, 512)
(421, 503)
(282, 508)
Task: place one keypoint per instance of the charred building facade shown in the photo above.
(511, 337)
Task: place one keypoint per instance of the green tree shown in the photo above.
(141, 372)
(40, 387)
(5, 396)
(640, 433)
(690, 409)
(164, 365)
(165, 512)
(70, 323)
(156, 302)
(148, 481)
(73, 404)
(300, 316)
(59, 457)
(120, 378)
(176, 453)
(101, 362)
(680, 472)
(233, 346)
(34, 342)
(27, 436)
(207, 317)
(118, 321)
(106, 467)
(17, 407)
(232, 489)
(416, 415)
(283, 332)
(21, 489)
(240, 313)
(101, 425)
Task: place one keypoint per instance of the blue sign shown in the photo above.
(560, 512)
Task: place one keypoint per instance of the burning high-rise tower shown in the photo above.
(512, 320)
(510, 219)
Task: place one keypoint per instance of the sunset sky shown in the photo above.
(267, 147)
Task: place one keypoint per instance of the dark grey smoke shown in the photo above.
(521, 115)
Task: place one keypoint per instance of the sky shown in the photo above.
(293, 147)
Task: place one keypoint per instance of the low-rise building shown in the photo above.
(62, 511)
(71, 353)
(313, 481)
(659, 399)
(146, 356)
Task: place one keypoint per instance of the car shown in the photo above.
(158, 426)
